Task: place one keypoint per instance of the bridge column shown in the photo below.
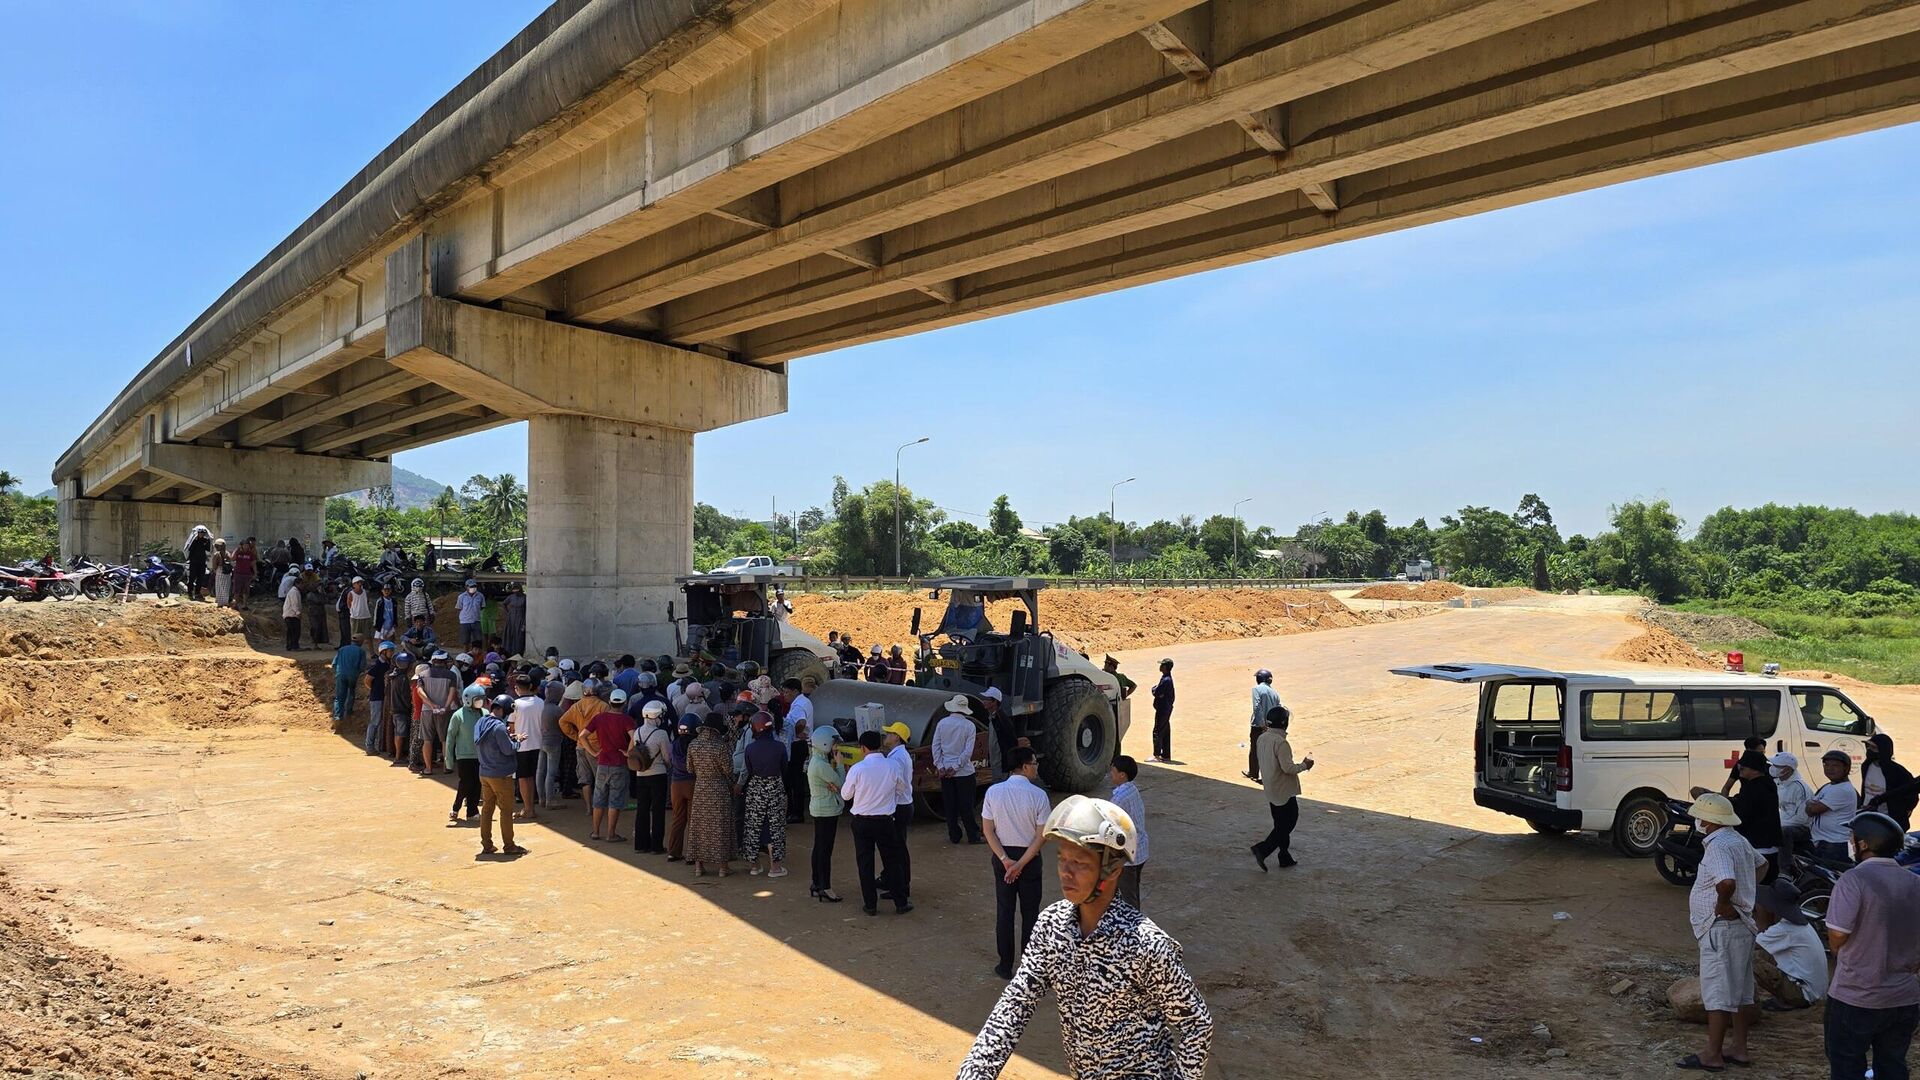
(610, 426)
(609, 528)
(264, 493)
(116, 529)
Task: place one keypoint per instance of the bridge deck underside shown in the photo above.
(1158, 139)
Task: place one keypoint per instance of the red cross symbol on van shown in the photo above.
(1733, 758)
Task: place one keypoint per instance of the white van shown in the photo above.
(1603, 751)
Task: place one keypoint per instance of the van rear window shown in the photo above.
(1607, 715)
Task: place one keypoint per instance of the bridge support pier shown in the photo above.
(115, 529)
(609, 527)
(610, 426)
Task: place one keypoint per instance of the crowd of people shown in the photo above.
(1754, 936)
(716, 763)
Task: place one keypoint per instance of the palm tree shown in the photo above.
(499, 504)
(8, 482)
(443, 504)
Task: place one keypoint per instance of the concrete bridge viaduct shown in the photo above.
(624, 225)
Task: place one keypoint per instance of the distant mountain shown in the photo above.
(411, 491)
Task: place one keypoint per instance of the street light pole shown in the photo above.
(1113, 524)
(1236, 528)
(896, 502)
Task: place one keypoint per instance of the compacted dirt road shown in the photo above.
(311, 901)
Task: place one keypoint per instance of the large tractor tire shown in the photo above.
(1079, 739)
(795, 664)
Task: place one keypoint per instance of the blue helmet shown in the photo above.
(473, 692)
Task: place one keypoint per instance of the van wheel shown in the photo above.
(1638, 826)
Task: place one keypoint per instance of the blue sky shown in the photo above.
(1730, 335)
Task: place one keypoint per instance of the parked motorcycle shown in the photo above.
(37, 581)
(90, 577)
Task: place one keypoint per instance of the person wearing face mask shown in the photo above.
(469, 604)
(1794, 794)
(1886, 785)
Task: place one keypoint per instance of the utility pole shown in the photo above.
(896, 502)
(1236, 528)
(1113, 523)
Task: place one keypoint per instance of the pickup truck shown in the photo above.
(754, 564)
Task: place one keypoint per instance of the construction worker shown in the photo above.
(1128, 1007)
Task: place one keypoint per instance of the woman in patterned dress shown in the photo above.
(710, 830)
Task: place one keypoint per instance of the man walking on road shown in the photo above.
(1128, 1007)
(1282, 788)
(1013, 816)
(1265, 700)
(1873, 1002)
(953, 740)
(1720, 908)
(1163, 714)
(1121, 774)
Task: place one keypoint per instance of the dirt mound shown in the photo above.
(1095, 620)
(85, 628)
(1702, 629)
(1426, 590)
(1501, 595)
(105, 669)
(1657, 646)
(71, 1011)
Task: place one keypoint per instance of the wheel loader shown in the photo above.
(1070, 711)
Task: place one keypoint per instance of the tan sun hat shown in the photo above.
(1714, 808)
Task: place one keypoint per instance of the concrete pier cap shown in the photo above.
(263, 493)
(610, 426)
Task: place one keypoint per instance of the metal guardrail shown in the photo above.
(850, 583)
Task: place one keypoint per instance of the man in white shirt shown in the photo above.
(953, 741)
(901, 759)
(872, 787)
(524, 726)
(1795, 826)
(1832, 808)
(1014, 815)
(1791, 964)
(1720, 909)
(1122, 774)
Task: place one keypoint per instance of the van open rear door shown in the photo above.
(1521, 761)
(1468, 672)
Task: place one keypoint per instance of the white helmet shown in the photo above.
(1097, 824)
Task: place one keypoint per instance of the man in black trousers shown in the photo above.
(1014, 817)
(872, 787)
(1163, 713)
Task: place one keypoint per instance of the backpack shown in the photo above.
(639, 756)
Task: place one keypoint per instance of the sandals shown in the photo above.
(615, 839)
(1692, 1061)
(514, 849)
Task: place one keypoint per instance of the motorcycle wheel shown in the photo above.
(62, 590)
(1673, 870)
(97, 588)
